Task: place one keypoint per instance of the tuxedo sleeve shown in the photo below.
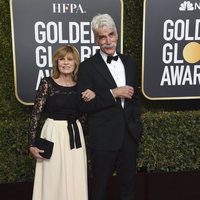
(136, 97)
(86, 80)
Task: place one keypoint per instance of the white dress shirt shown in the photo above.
(116, 68)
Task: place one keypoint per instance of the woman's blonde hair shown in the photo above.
(62, 52)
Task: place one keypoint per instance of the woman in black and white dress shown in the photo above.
(64, 175)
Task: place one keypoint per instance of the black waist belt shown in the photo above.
(74, 135)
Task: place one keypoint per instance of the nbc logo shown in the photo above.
(188, 6)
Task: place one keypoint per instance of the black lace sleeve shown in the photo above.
(39, 105)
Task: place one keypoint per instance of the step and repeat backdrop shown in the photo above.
(39, 27)
(171, 49)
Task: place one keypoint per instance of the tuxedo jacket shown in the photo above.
(107, 120)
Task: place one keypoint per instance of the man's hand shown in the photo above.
(123, 92)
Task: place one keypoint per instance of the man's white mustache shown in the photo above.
(108, 45)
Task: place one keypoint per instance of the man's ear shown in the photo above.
(116, 35)
(96, 41)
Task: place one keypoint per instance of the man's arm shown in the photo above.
(103, 98)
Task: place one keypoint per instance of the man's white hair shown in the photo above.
(102, 20)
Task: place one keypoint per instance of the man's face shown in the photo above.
(107, 40)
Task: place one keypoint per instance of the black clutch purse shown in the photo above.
(45, 145)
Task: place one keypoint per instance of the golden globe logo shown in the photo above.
(191, 52)
(67, 8)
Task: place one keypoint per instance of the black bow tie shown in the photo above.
(110, 58)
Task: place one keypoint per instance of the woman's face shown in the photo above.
(66, 65)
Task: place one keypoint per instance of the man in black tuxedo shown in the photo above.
(113, 115)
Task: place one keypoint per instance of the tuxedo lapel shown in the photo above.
(102, 68)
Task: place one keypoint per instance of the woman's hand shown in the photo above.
(35, 152)
(88, 95)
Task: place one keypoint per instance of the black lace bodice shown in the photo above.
(57, 101)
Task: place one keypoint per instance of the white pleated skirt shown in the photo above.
(64, 175)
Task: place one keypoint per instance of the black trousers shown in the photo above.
(123, 161)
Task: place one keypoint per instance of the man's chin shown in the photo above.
(110, 51)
